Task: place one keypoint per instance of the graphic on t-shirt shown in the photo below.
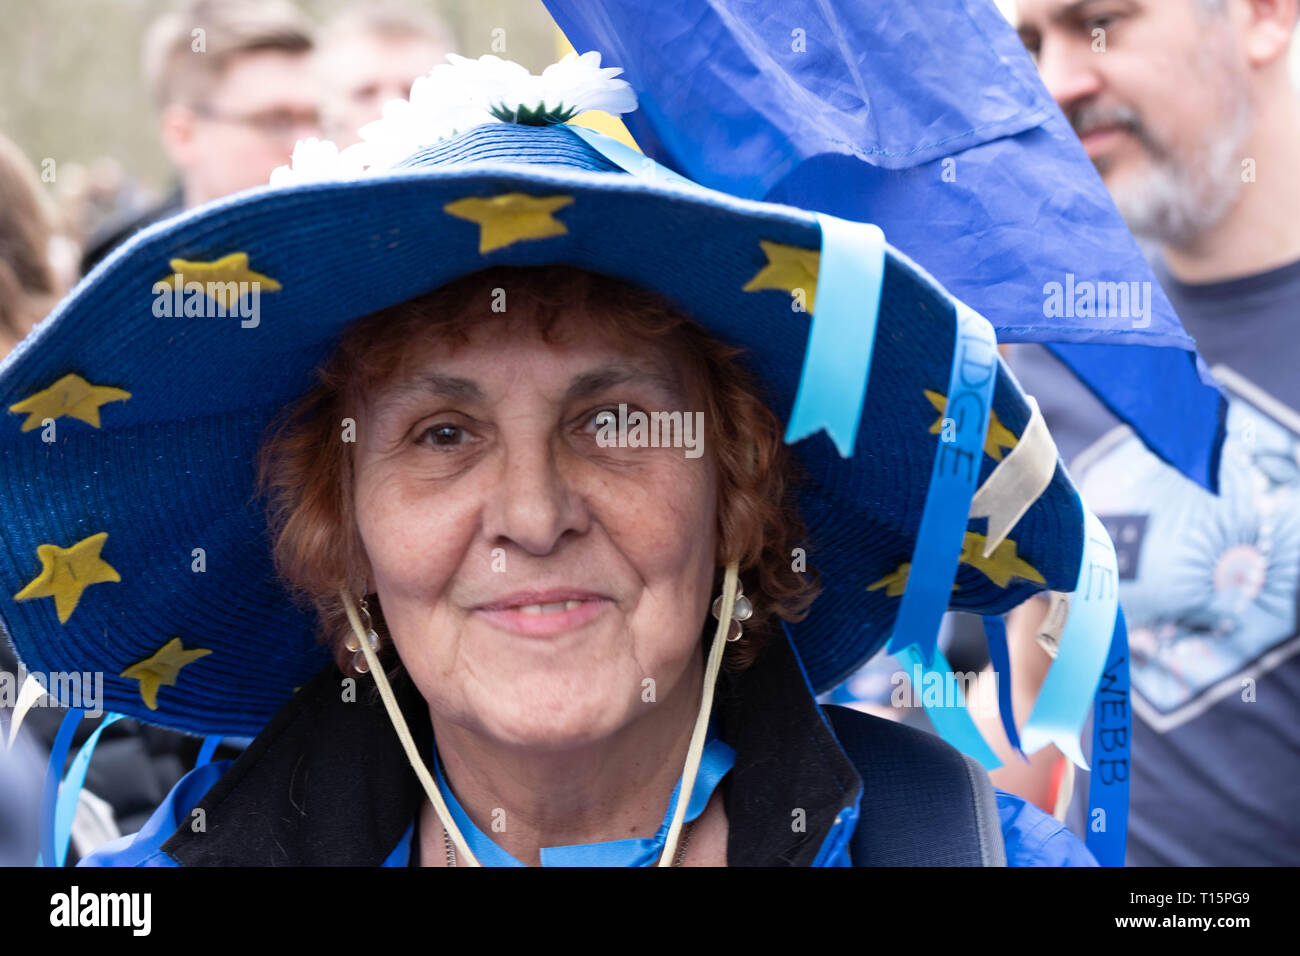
(1208, 584)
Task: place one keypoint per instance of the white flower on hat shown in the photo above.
(580, 82)
(317, 161)
(564, 89)
(459, 95)
(442, 104)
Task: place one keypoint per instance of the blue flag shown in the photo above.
(929, 120)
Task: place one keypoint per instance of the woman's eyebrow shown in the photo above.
(450, 386)
(607, 376)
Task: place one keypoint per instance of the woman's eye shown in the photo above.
(603, 419)
(444, 436)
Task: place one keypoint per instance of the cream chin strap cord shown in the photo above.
(696, 750)
(404, 733)
(693, 754)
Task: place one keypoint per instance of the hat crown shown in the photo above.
(553, 146)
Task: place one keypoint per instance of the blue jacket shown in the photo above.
(292, 797)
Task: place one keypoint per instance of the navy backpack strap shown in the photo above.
(924, 803)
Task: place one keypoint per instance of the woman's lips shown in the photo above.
(543, 613)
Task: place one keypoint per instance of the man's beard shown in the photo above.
(1177, 197)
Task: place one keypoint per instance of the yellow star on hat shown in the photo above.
(162, 668)
(511, 217)
(231, 268)
(788, 268)
(66, 572)
(895, 583)
(999, 567)
(997, 437)
(71, 395)
(1002, 565)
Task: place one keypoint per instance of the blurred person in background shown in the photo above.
(233, 84)
(229, 113)
(28, 287)
(370, 54)
(1188, 111)
(20, 794)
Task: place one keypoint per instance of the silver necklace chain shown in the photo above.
(681, 850)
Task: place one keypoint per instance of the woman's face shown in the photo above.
(543, 588)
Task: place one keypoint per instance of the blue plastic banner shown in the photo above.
(930, 120)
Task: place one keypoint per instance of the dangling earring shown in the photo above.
(741, 610)
(359, 663)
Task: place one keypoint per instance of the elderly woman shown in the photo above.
(538, 439)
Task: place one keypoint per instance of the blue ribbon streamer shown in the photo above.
(50, 795)
(951, 719)
(1112, 737)
(717, 759)
(210, 744)
(995, 633)
(627, 158)
(842, 333)
(953, 479)
(70, 792)
(1062, 707)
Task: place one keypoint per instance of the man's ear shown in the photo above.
(1269, 29)
(176, 130)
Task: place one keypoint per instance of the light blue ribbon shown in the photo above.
(717, 759)
(70, 792)
(627, 158)
(1062, 706)
(210, 745)
(952, 720)
(842, 334)
(953, 479)
(49, 856)
(850, 279)
(939, 539)
(1112, 738)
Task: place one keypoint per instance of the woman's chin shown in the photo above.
(553, 718)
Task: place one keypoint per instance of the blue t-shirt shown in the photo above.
(1209, 585)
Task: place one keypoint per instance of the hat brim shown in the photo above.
(171, 468)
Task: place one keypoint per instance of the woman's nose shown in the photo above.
(534, 503)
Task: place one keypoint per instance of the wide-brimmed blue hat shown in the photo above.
(131, 538)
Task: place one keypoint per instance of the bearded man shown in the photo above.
(1189, 110)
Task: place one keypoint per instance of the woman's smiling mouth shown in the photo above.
(543, 613)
